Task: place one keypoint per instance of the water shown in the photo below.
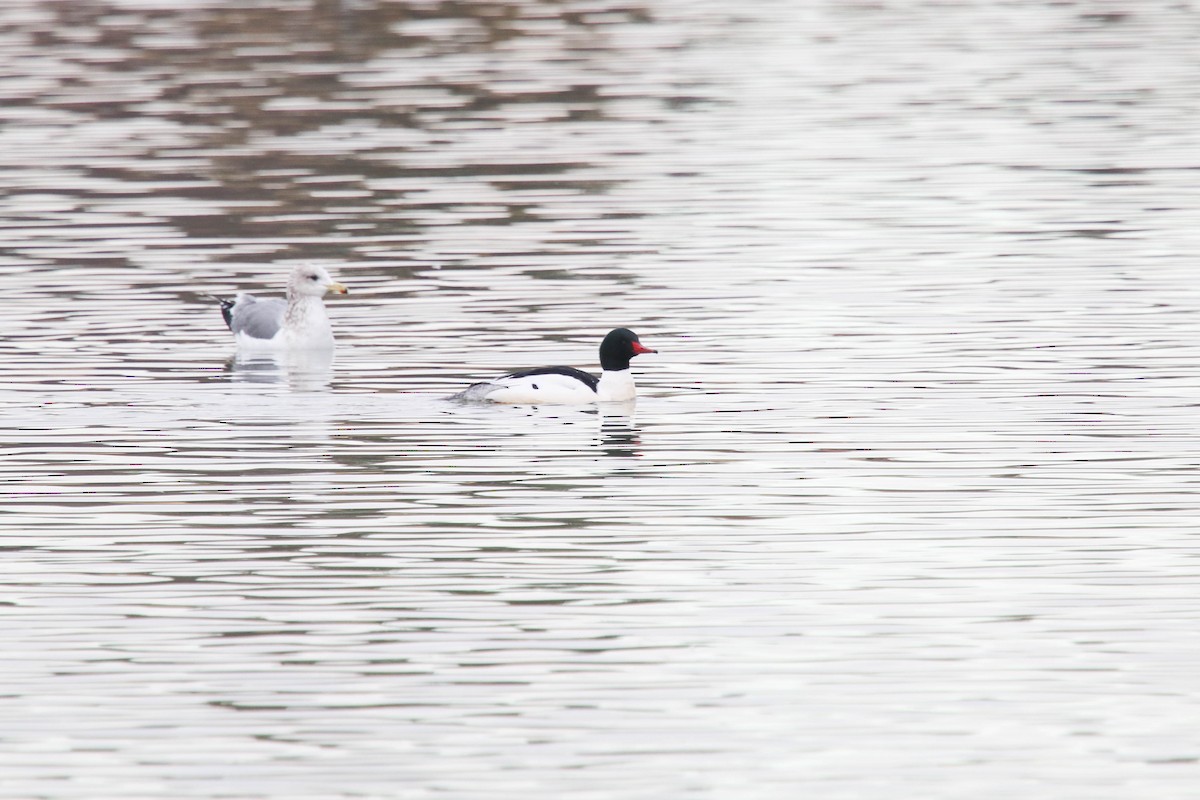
(907, 505)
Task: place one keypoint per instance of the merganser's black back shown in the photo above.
(578, 374)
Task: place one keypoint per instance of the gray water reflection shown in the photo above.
(907, 504)
(301, 371)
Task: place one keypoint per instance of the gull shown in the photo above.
(273, 325)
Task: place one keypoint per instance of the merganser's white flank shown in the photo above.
(567, 385)
(299, 323)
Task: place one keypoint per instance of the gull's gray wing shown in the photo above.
(258, 319)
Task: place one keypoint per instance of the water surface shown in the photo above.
(907, 504)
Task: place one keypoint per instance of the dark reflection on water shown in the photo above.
(619, 433)
(324, 124)
(907, 505)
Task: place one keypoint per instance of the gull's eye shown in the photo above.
(312, 277)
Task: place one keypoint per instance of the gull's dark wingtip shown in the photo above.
(227, 304)
(227, 310)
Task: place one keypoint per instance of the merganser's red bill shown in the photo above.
(639, 348)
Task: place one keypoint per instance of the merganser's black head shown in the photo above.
(618, 347)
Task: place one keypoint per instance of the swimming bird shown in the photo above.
(567, 385)
(299, 323)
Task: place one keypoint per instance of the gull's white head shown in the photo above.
(308, 280)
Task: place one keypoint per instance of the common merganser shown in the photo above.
(299, 323)
(567, 385)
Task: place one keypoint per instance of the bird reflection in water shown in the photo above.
(301, 371)
(619, 434)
